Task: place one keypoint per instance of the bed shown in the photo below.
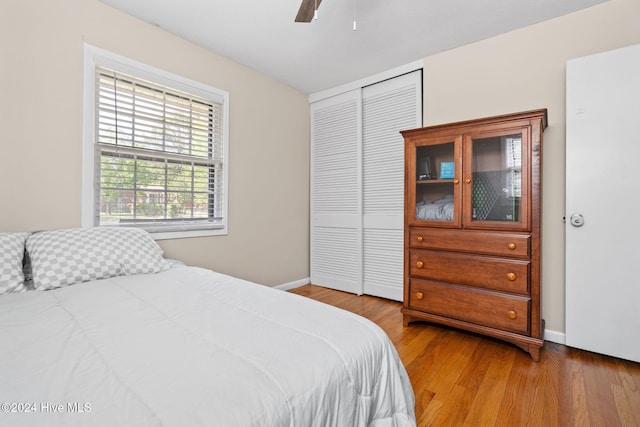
(99, 329)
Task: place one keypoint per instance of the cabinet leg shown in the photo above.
(406, 319)
(534, 351)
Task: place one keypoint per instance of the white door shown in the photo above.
(336, 201)
(602, 200)
(387, 108)
(357, 186)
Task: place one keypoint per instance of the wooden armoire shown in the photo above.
(472, 227)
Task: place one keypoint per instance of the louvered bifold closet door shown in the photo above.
(387, 108)
(336, 211)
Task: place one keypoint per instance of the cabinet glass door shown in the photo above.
(437, 165)
(496, 180)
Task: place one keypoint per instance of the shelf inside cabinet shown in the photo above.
(433, 181)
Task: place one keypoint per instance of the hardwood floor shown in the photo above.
(464, 379)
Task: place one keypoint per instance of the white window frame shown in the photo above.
(94, 57)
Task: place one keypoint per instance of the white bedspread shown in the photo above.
(191, 347)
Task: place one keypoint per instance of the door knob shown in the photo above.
(577, 220)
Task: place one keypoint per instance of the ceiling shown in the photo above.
(311, 57)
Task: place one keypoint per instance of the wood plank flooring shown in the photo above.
(462, 379)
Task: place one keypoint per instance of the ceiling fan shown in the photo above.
(307, 10)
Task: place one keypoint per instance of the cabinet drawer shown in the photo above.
(502, 274)
(493, 309)
(483, 242)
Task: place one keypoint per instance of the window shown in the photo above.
(155, 151)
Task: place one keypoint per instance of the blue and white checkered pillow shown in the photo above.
(64, 257)
(11, 256)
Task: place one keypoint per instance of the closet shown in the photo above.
(357, 181)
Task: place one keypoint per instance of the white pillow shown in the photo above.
(11, 256)
(64, 257)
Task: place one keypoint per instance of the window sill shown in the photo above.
(168, 235)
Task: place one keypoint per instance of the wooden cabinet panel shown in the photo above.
(482, 242)
(480, 271)
(497, 310)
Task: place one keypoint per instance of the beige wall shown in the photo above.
(41, 54)
(524, 70)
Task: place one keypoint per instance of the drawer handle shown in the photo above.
(512, 314)
(419, 295)
(511, 276)
(419, 238)
(419, 264)
(511, 246)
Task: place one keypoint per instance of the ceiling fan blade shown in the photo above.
(307, 7)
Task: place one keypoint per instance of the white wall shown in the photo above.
(524, 70)
(41, 48)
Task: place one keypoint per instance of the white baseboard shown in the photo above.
(555, 336)
(294, 284)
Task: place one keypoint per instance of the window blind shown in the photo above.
(159, 155)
